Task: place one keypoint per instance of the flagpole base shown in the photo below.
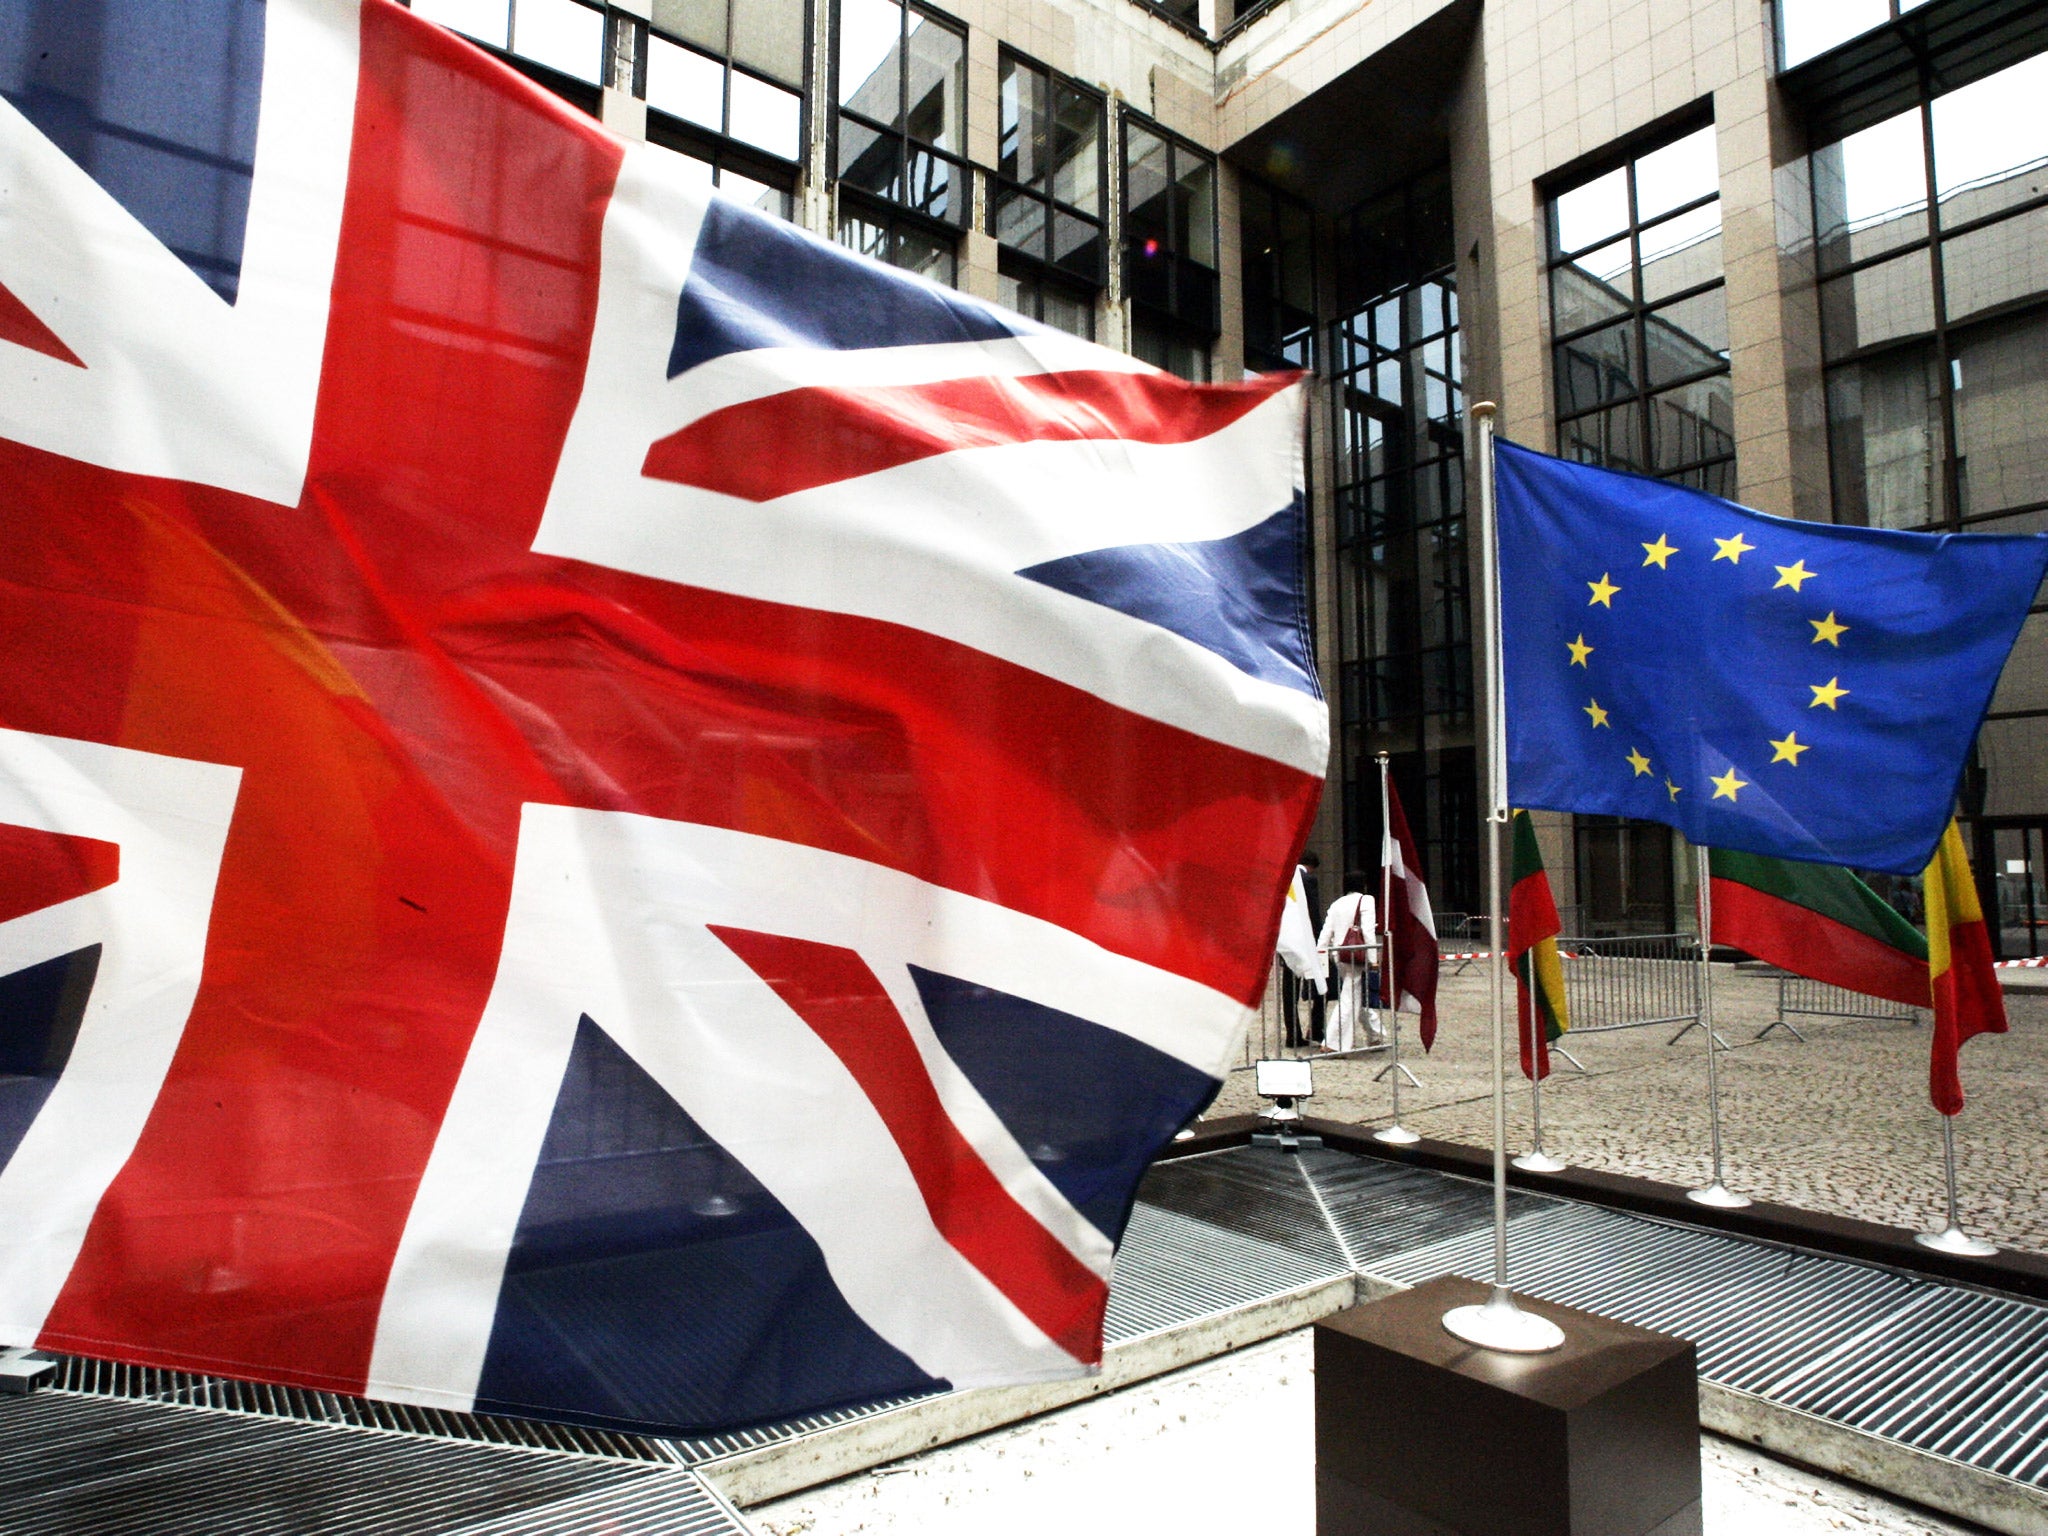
(1539, 1161)
(1397, 1136)
(1955, 1240)
(1498, 1324)
(1719, 1196)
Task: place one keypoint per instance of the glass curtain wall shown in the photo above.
(1279, 277)
(1639, 318)
(1169, 248)
(1046, 198)
(564, 37)
(1404, 607)
(1639, 330)
(724, 81)
(1932, 230)
(902, 134)
(1808, 28)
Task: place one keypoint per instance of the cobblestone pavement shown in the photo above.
(1228, 1445)
(1839, 1124)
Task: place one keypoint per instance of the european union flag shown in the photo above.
(1795, 689)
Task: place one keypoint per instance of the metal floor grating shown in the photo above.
(81, 1465)
(1941, 1368)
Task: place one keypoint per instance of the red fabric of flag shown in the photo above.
(1967, 998)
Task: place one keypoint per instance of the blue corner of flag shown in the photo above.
(1238, 596)
(1799, 690)
(757, 281)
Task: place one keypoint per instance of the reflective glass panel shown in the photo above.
(1593, 213)
(869, 159)
(755, 194)
(1070, 313)
(1812, 27)
(695, 21)
(2000, 376)
(561, 34)
(1590, 288)
(1691, 423)
(766, 116)
(1611, 437)
(1596, 368)
(870, 44)
(694, 170)
(1017, 219)
(864, 235)
(1681, 172)
(1076, 147)
(1884, 439)
(685, 84)
(1681, 252)
(2015, 757)
(1020, 121)
(936, 186)
(487, 21)
(1146, 190)
(1991, 142)
(1686, 338)
(1195, 210)
(928, 257)
(1870, 191)
(937, 62)
(1077, 244)
(768, 35)
(1998, 264)
(1892, 299)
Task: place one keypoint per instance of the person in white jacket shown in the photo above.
(1350, 939)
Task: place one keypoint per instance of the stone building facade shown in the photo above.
(1791, 251)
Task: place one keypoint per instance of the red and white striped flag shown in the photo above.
(1409, 922)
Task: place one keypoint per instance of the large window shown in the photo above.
(1045, 203)
(1169, 247)
(566, 37)
(1807, 28)
(1278, 266)
(1063, 306)
(1404, 642)
(733, 69)
(1932, 247)
(1639, 318)
(902, 94)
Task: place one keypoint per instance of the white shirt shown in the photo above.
(1337, 923)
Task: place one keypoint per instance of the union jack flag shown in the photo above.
(606, 810)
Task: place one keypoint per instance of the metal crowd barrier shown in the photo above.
(1798, 995)
(1631, 981)
(1266, 1039)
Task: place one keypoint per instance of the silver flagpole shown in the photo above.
(1536, 1160)
(1716, 1193)
(1396, 1134)
(1952, 1238)
(1497, 1323)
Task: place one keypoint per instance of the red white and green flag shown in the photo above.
(1820, 921)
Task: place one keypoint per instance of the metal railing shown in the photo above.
(1799, 995)
(1267, 1039)
(1631, 982)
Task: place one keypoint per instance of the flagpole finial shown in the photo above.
(1482, 409)
(1380, 758)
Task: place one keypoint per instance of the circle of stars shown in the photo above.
(1787, 749)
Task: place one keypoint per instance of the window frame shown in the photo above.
(906, 145)
(1203, 332)
(1643, 392)
(647, 31)
(1042, 190)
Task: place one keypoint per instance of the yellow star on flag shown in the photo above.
(1792, 575)
(1637, 761)
(1732, 550)
(1788, 750)
(1826, 693)
(1598, 714)
(1580, 651)
(1726, 785)
(1603, 591)
(1827, 629)
(1656, 554)
(1674, 788)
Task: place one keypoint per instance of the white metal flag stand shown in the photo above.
(1497, 1323)
(1536, 1160)
(1952, 1238)
(1716, 1193)
(1395, 1134)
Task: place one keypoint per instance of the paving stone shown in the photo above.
(1840, 1123)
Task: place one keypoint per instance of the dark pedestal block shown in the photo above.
(1420, 1434)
